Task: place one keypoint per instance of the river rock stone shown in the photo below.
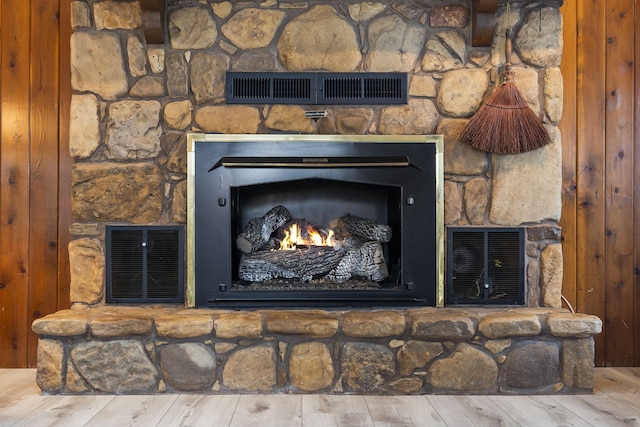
(208, 73)
(541, 45)
(120, 366)
(577, 363)
(366, 366)
(460, 158)
(137, 56)
(467, 369)
(224, 119)
(509, 324)
(289, 118)
(261, 376)
(97, 64)
(232, 325)
(462, 91)
(444, 51)
(418, 117)
(553, 94)
(84, 126)
(394, 45)
(50, 361)
(311, 366)
(442, 326)
(177, 77)
(476, 198)
(178, 114)
(133, 130)
(532, 366)
(416, 354)
(319, 39)
(253, 28)
(312, 324)
(111, 15)
(373, 324)
(188, 366)
(551, 275)
(192, 28)
(86, 260)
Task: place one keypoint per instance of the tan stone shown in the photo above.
(373, 324)
(137, 56)
(84, 126)
(452, 202)
(86, 260)
(224, 119)
(50, 363)
(352, 121)
(541, 45)
(179, 114)
(261, 376)
(315, 324)
(97, 64)
(394, 45)
(444, 51)
(553, 94)
(208, 73)
(184, 325)
(509, 324)
(467, 369)
(497, 346)
(133, 130)
(86, 230)
(418, 117)
(80, 15)
(578, 363)
(74, 382)
(232, 325)
(148, 87)
(364, 11)
(155, 56)
(526, 79)
(222, 9)
(551, 275)
(288, 118)
(115, 326)
(416, 354)
(407, 385)
(424, 86)
(510, 205)
(224, 347)
(574, 325)
(253, 28)
(310, 366)
(476, 193)
(179, 203)
(192, 28)
(319, 39)
(442, 325)
(63, 323)
(111, 15)
(461, 92)
(533, 283)
(460, 158)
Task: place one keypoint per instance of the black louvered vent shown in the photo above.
(485, 266)
(145, 264)
(316, 88)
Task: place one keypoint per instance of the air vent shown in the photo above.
(485, 266)
(316, 88)
(145, 264)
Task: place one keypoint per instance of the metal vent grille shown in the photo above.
(485, 266)
(316, 88)
(145, 264)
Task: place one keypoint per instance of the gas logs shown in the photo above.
(277, 247)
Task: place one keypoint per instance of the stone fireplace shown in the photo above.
(135, 103)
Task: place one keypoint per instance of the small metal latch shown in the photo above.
(222, 287)
(409, 286)
(222, 201)
(410, 201)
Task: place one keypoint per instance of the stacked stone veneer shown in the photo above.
(155, 350)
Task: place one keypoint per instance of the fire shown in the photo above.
(294, 237)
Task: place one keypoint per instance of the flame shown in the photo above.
(293, 238)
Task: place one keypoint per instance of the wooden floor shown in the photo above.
(616, 401)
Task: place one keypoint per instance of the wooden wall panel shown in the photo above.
(636, 194)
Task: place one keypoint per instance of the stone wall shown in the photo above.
(134, 102)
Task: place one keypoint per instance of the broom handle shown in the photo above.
(507, 50)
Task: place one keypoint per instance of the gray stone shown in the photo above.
(452, 203)
(148, 87)
(311, 366)
(416, 354)
(574, 325)
(208, 76)
(289, 118)
(192, 28)
(84, 126)
(541, 45)
(373, 324)
(510, 324)
(476, 198)
(177, 77)
(261, 376)
(526, 79)
(137, 56)
(179, 114)
(50, 363)
(120, 366)
(532, 366)
(224, 119)
(460, 158)
(551, 275)
(394, 45)
(111, 15)
(444, 51)
(86, 265)
(364, 11)
(510, 205)
(97, 64)
(467, 369)
(462, 91)
(410, 10)
(188, 366)
(253, 28)
(418, 117)
(553, 94)
(80, 15)
(118, 192)
(133, 130)
(577, 363)
(366, 366)
(442, 325)
(319, 39)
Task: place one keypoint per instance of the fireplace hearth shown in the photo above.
(379, 197)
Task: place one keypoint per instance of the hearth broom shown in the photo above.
(505, 124)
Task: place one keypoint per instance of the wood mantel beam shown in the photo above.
(483, 21)
(153, 20)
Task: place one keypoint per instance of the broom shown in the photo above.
(505, 124)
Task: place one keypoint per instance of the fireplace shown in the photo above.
(377, 198)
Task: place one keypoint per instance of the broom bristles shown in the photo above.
(505, 124)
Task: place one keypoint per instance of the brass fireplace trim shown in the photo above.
(192, 138)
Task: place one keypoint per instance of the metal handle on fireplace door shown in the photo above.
(311, 162)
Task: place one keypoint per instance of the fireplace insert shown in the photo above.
(291, 220)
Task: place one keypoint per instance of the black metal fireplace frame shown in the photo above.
(217, 164)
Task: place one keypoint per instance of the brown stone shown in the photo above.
(418, 117)
(574, 325)
(452, 16)
(407, 385)
(373, 324)
(261, 376)
(467, 369)
(509, 324)
(551, 275)
(366, 366)
(184, 325)
(50, 363)
(311, 366)
(111, 15)
(224, 119)
(253, 28)
(178, 114)
(442, 326)
(352, 121)
(232, 325)
(177, 77)
(544, 232)
(179, 203)
(86, 261)
(452, 203)
(61, 323)
(192, 28)
(577, 363)
(118, 326)
(74, 382)
(311, 324)
(188, 366)
(288, 118)
(416, 354)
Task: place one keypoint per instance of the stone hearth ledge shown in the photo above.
(160, 349)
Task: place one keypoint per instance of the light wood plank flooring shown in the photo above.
(615, 402)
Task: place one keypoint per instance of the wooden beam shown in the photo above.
(153, 20)
(483, 22)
